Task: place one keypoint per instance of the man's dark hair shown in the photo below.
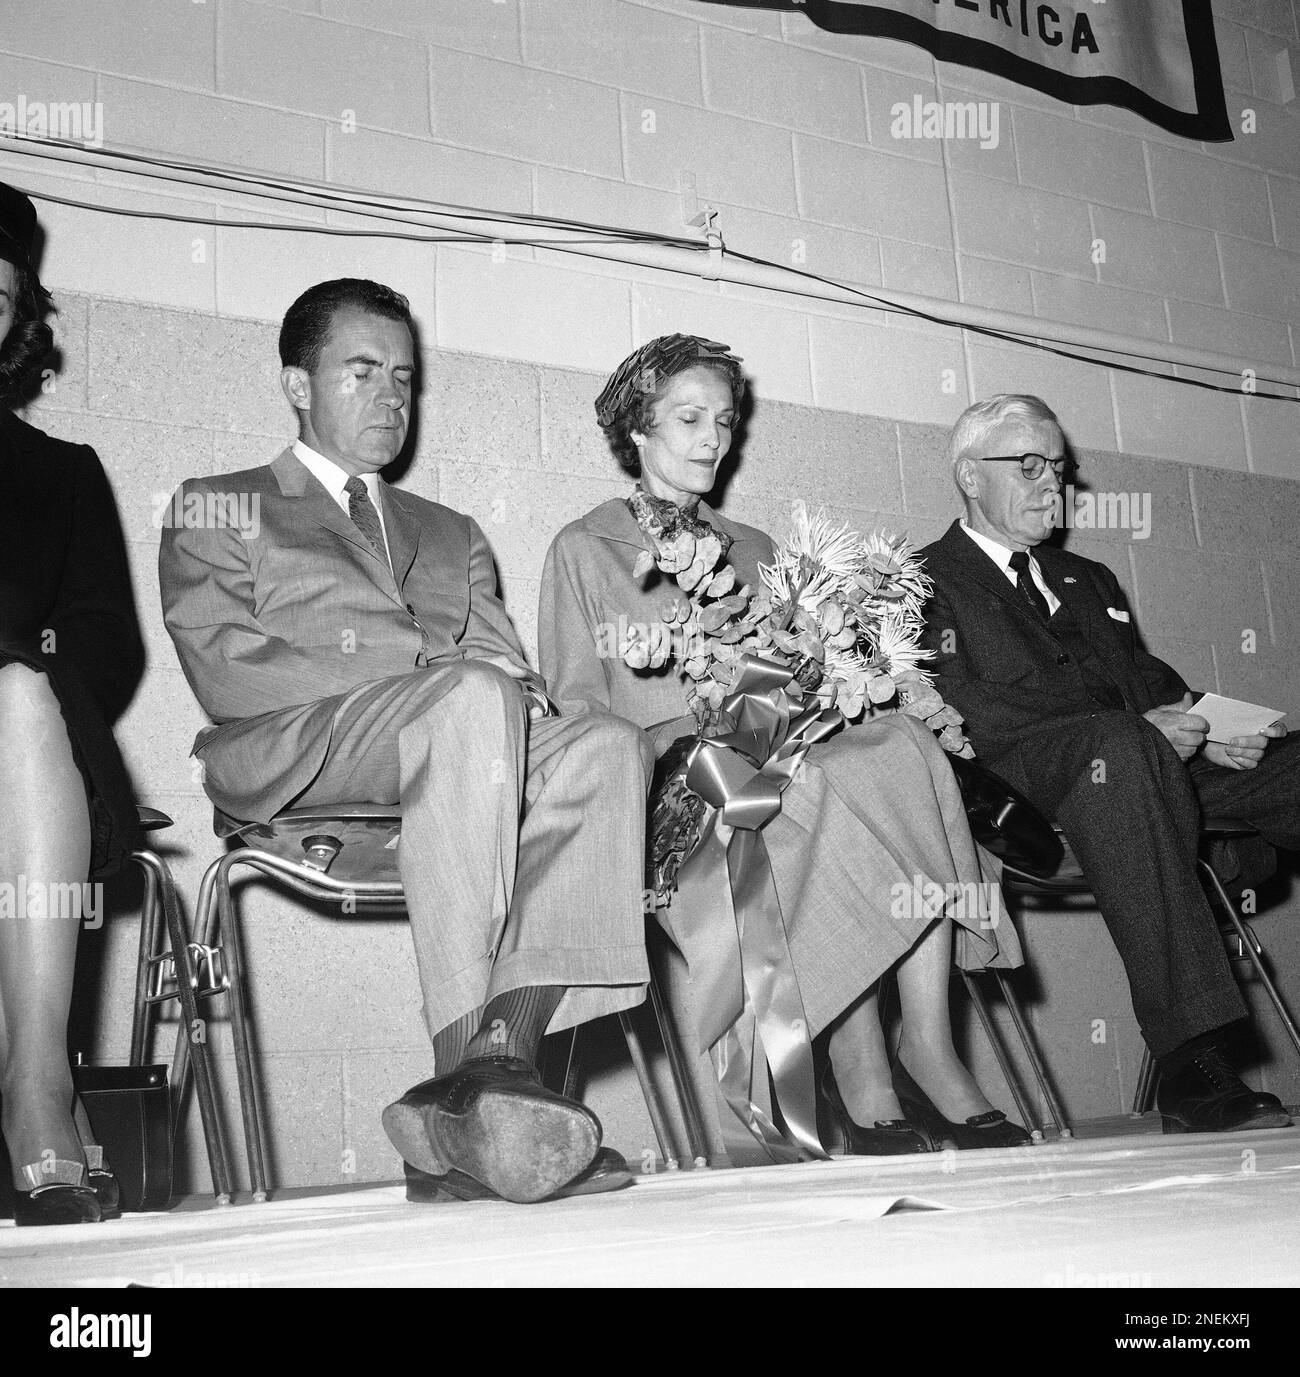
(30, 339)
(307, 322)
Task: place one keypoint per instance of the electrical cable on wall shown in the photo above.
(566, 239)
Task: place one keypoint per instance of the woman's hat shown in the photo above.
(17, 226)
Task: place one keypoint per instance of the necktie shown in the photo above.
(364, 517)
(1026, 586)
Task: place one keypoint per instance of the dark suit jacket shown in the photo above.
(1001, 668)
(66, 608)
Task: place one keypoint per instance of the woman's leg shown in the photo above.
(926, 1048)
(861, 1063)
(44, 842)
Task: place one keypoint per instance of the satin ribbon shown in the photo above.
(743, 977)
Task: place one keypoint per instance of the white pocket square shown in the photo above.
(1117, 614)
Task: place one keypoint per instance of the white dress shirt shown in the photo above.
(334, 479)
(1001, 556)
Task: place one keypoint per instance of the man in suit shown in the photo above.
(1039, 653)
(347, 641)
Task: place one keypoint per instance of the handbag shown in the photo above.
(130, 1113)
(1004, 822)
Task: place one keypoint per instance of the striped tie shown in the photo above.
(364, 517)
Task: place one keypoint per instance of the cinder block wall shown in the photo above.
(593, 113)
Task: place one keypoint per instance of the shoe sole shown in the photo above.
(456, 1188)
(1269, 1118)
(520, 1148)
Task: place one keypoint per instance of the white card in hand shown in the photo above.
(1229, 717)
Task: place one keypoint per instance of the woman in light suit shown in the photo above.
(874, 808)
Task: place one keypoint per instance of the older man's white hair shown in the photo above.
(975, 424)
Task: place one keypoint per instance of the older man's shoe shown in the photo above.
(1207, 1096)
(609, 1172)
(493, 1120)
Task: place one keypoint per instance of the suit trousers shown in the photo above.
(1131, 810)
(522, 842)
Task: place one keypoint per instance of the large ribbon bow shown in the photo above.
(741, 772)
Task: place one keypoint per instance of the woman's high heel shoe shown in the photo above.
(102, 1182)
(889, 1137)
(992, 1129)
(58, 1195)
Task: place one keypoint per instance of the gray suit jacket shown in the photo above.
(276, 618)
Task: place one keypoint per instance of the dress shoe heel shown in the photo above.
(609, 1172)
(992, 1129)
(1168, 1125)
(102, 1181)
(58, 1195)
(889, 1137)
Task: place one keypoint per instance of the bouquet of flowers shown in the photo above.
(840, 610)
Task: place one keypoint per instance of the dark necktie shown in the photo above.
(362, 511)
(1026, 586)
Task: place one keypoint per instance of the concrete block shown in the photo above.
(866, 190)
(1194, 660)
(821, 457)
(1158, 256)
(1272, 16)
(1075, 159)
(886, 90)
(839, 254)
(1272, 72)
(1162, 488)
(1179, 422)
(994, 220)
(1246, 512)
(912, 267)
(158, 730)
(928, 487)
(604, 201)
(297, 61)
(1267, 677)
(1271, 435)
(1256, 340)
(397, 166)
(570, 438)
(210, 129)
(219, 373)
(1197, 595)
(994, 156)
(154, 39)
(1234, 61)
(771, 339)
(780, 83)
(1079, 301)
(1282, 584)
(1284, 194)
(748, 21)
(1078, 393)
(470, 25)
(893, 373)
(1261, 280)
(615, 44)
(1267, 136)
(1002, 286)
(530, 311)
(1221, 196)
(482, 410)
(519, 112)
(737, 161)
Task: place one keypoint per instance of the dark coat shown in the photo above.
(1003, 670)
(66, 608)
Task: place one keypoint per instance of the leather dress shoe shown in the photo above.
(59, 1195)
(991, 1129)
(1207, 1096)
(609, 1172)
(889, 1137)
(102, 1181)
(493, 1119)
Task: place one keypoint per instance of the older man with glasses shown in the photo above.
(1037, 648)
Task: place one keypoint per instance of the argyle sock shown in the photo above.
(513, 1023)
(449, 1043)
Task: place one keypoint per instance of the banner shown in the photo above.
(1157, 58)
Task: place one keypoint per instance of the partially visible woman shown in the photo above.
(874, 812)
(70, 657)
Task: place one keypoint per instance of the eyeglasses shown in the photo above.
(1032, 465)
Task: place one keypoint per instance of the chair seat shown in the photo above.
(367, 835)
(1214, 828)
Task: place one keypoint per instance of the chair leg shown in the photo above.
(1249, 948)
(1000, 1052)
(186, 987)
(1054, 1107)
(650, 1091)
(232, 945)
(1145, 1091)
(140, 1017)
(686, 1103)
